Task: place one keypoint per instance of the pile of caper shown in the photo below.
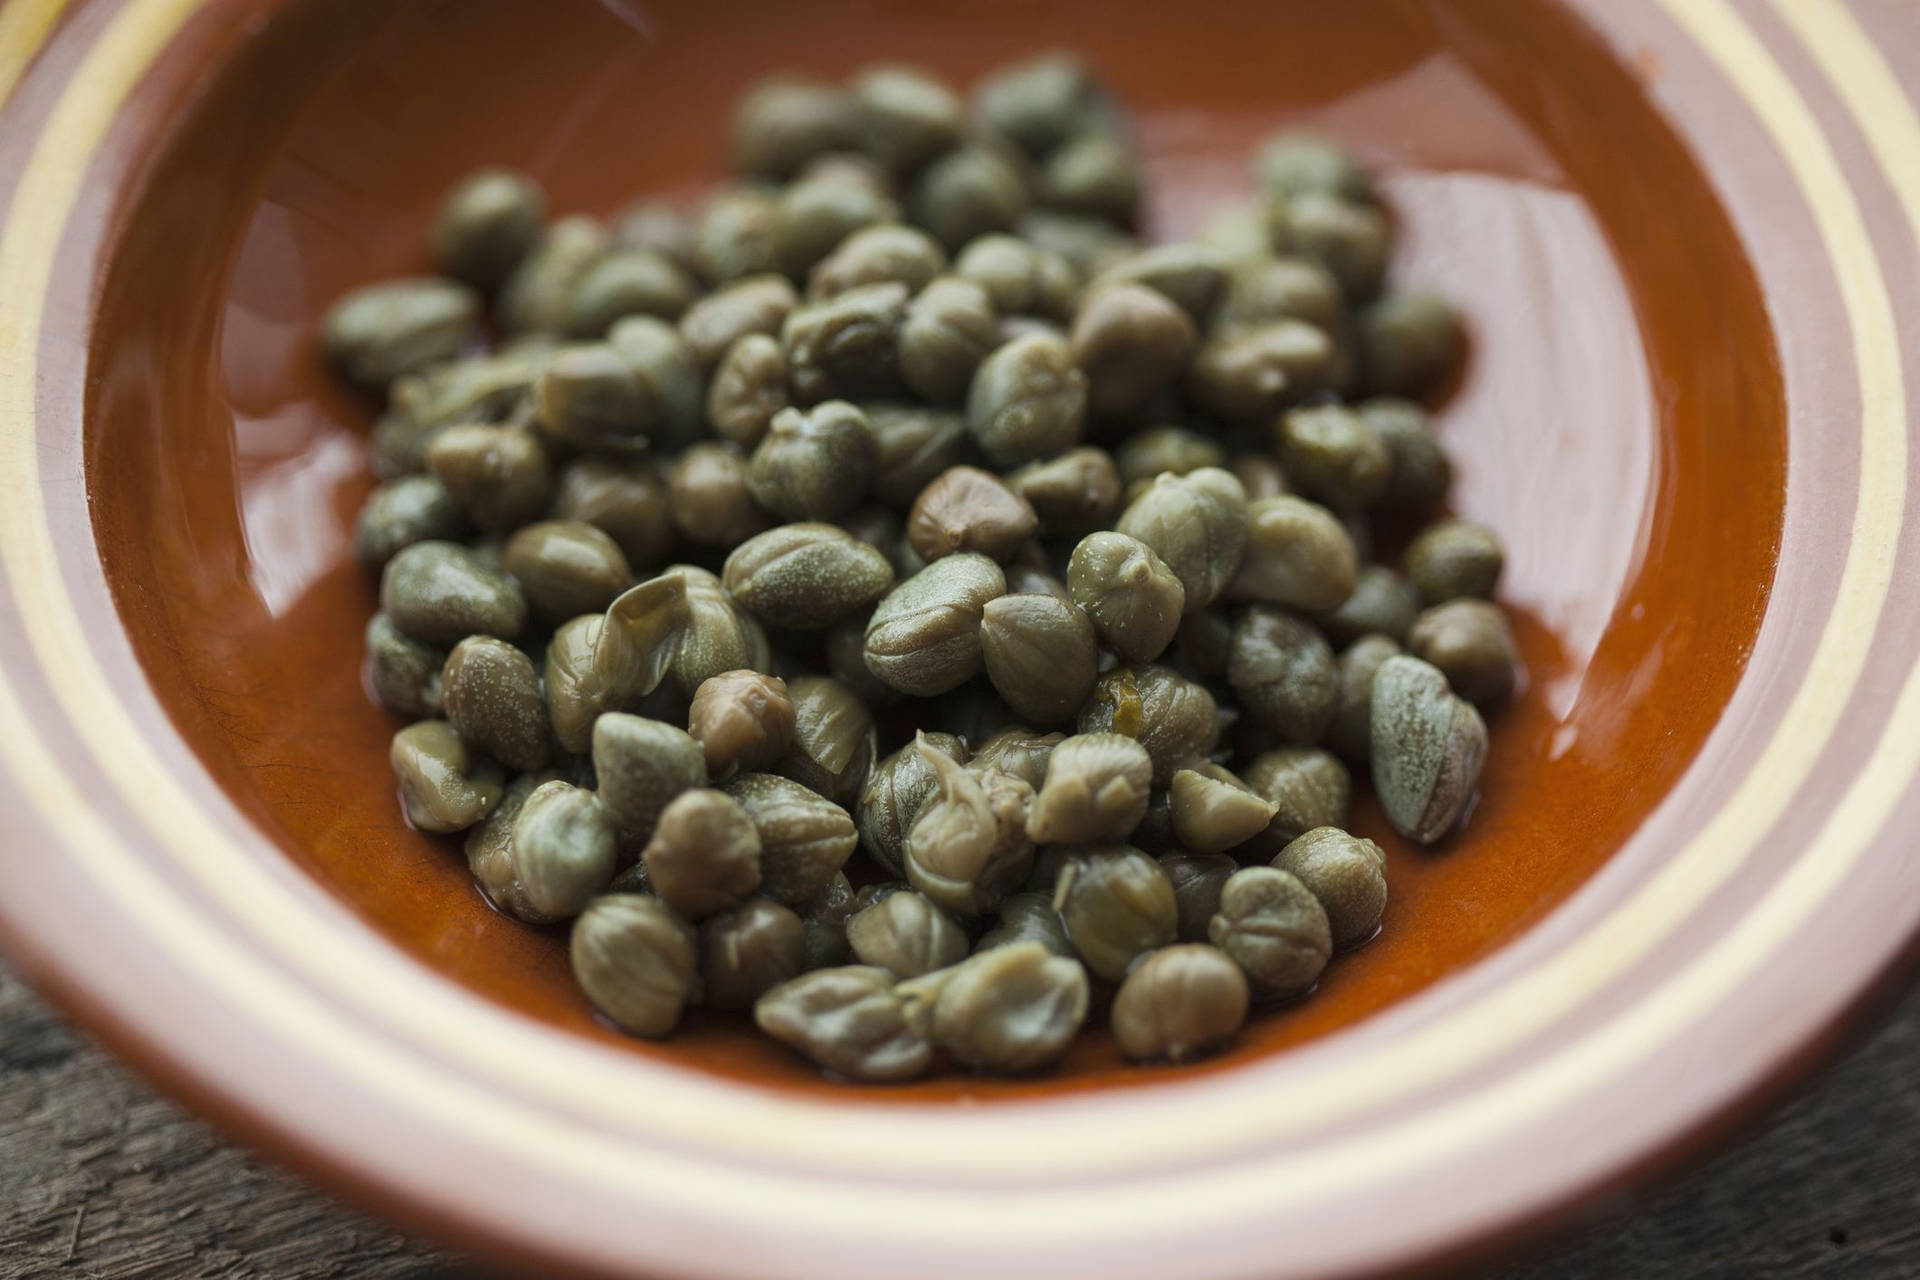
(893, 600)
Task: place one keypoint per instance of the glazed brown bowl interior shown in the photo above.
(1620, 420)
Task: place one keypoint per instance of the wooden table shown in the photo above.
(100, 1178)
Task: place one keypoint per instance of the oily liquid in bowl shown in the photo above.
(1619, 420)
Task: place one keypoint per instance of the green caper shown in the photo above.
(848, 1020)
(1095, 790)
(498, 477)
(474, 388)
(1019, 277)
(947, 330)
(492, 697)
(968, 849)
(641, 766)
(1213, 810)
(1197, 879)
(1041, 655)
(708, 497)
(1132, 597)
(1090, 245)
(846, 346)
(746, 952)
(624, 498)
(1204, 643)
(1308, 788)
(1298, 555)
(1453, 558)
(704, 854)
(805, 838)
(814, 464)
(403, 673)
(566, 567)
(488, 224)
(1331, 453)
(1116, 904)
(1174, 718)
(1471, 643)
(805, 576)
(1248, 373)
(1147, 454)
(537, 295)
(967, 509)
(916, 443)
(1347, 874)
(440, 593)
(638, 386)
(1428, 748)
(1420, 474)
(1094, 174)
(1410, 341)
(489, 850)
(1284, 673)
(1181, 1002)
(895, 792)
(1259, 475)
(785, 121)
(401, 512)
(628, 282)
(659, 227)
(1350, 240)
(906, 116)
(1193, 275)
(443, 785)
(636, 962)
(906, 935)
(755, 304)
(716, 635)
(814, 215)
(561, 849)
(1296, 164)
(834, 740)
(748, 387)
(1197, 524)
(1073, 493)
(1382, 603)
(878, 254)
(846, 654)
(1018, 752)
(924, 636)
(1265, 288)
(1351, 732)
(971, 191)
(1132, 342)
(825, 923)
(1012, 1009)
(733, 236)
(1027, 401)
(1038, 103)
(1028, 917)
(1275, 930)
(381, 331)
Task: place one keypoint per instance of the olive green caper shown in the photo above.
(1041, 655)
(878, 254)
(487, 225)
(1204, 643)
(805, 838)
(1094, 174)
(968, 849)
(1472, 645)
(624, 498)
(1090, 245)
(749, 950)
(906, 935)
(489, 850)
(1298, 556)
(1275, 930)
(716, 635)
(621, 396)
(1019, 277)
(848, 1020)
(1026, 580)
(748, 387)
(1428, 747)
(1296, 164)
(733, 235)
(1148, 453)
(906, 116)
(924, 636)
(538, 294)
(704, 854)
(787, 120)
(969, 192)
(641, 765)
(1179, 1003)
(1330, 453)
(708, 497)
(566, 567)
(834, 740)
(1308, 788)
(1131, 341)
(1238, 231)
(1116, 904)
(805, 576)
(947, 330)
(814, 215)
(1213, 810)
(380, 331)
(1409, 341)
(1192, 275)
(1267, 288)
(895, 792)
(1351, 732)
(756, 304)
(492, 697)
(401, 512)
(1453, 558)
(628, 282)
(474, 388)
(1133, 599)
(1259, 475)
(1420, 474)
(1350, 240)
(1012, 1009)
(1096, 790)
(825, 922)
(916, 443)
(1028, 917)
(440, 593)
(561, 849)
(846, 346)
(814, 464)
(1347, 874)
(636, 961)
(1248, 373)
(403, 673)
(443, 785)
(1174, 718)
(602, 662)
(1382, 603)
(967, 509)
(1017, 751)
(659, 227)
(743, 720)
(1073, 493)
(1284, 673)
(1197, 524)
(498, 477)
(1197, 879)
(1038, 103)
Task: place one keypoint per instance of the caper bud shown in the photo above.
(848, 1020)
(1116, 904)
(636, 962)
(1095, 790)
(1041, 654)
(916, 443)
(1275, 930)
(834, 741)
(488, 224)
(492, 697)
(825, 922)
(1428, 747)
(1133, 598)
(443, 785)
(1259, 475)
(1382, 603)
(947, 330)
(924, 637)
(847, 663)
(403, 673)
(749, 386)
(1348, 239)
(709, 498)
(561, 849)
(1410, 341)
(906, 116)
(1298, 555)
(1213, 810)
(814, 215)
(743, 720)
(1284, 673)
(969, 192)
(497, 476)
(805, 838)
(1308, 788)
(1351, 733)
(1197, 524)
(1093, 174)
(1331, 453)
(1132, 342)
(1027, 401)
(1166, 449)
(785, 121)
(641, 765)
(381, 331)
(627, 282)
(600, 662)
(1073, 493)
(1472, 645)
(658, 227)
(895, 792)
(704, 854)
(537, 295)
(1267, 288)
(625, 498)
(1420, 474)
(1020, 278)
(968, 849)
(880, 254)
(440, 593)
(756, 304)
(906, 935)
(746, 952)
(733, 237)
(402, 512)
(805, 576)
(1179, 1003)
(489, 850)
(1197, 879)
(1028, 917)
(1012, 1009)
(814, 464)
(566, 567)
(1347, 874)
(1192, 275)
(1172, 717)
(846, 346)
(1090, 245)
(1252, 372)
(967, 509)
(1453, 558)
(1295, 164)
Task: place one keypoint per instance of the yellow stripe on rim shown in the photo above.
(24, 26)
(757, 1124)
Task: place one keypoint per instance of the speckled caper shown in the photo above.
(444, 786)
(967, 509)
(1350, 240)
(566, 567)
(1382, 603)
(814, 463)
(967, 850)
(1041, 654)
(733, 235)
(848, 1020)
(906, 935)
(641, 765)
(636, 961)
(1133, 599)
(715, 636)
(1455, 558)
(924, 637)
(805, 576)
(1283, 671)
(401, 512)
(1410, 341)
(786, 120)
(748, 950)
(380, 331)
(704, 854)
(878, 254)
(1351, 732)
(755, 304)
(895, 792)
(1028, 400)
(1131, 341)
(748, 387)
(1090, 245)
(906, 117)
(1115, 904)
(1197, 524)
(1095, 174)
(846, 346)
(625, 498)
(1096, 789)
(440, 593)
(1471, 643)
(834, 740)
(946, 331)
(538, 293)
(708, 498)
(1308, 788)
(488, 223)
(1072, 494)
(1347, 873)
(561, 849)
(491, 693)
(969, 192)
(1012, 1009)
(1420, 474)
(805, 838)
(1275, 930)
(498, 477)
(1019, 277)
(1192, 275)
(1174, 718)
(1298, 555)
(1213, 810)
(1428, 747)
(1244, 374)
(1330, 453)
(403, 673)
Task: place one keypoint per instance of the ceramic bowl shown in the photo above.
(1684, 234)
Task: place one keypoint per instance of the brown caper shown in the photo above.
(743, 720)
(1072, 493)
(967, 509)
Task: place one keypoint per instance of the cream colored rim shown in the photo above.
(700, 1135)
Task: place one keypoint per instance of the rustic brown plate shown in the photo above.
(1684, 232)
